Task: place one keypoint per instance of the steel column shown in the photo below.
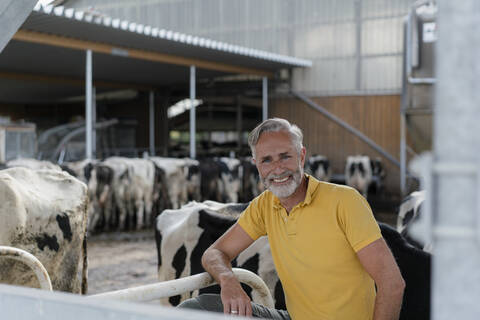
(264, 98)
(193, 130)
(152, 123)
(94, 122)
(456, 176)
(88, 105)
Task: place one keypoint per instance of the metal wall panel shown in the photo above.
(356, 45)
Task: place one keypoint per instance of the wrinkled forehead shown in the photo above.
(274, 143)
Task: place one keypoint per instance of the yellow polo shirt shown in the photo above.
(314, 250)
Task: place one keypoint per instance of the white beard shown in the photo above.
(288, 189)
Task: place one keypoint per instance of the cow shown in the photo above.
(408, 213)
(319, 167)
(362, 173)
(176, 174)
(252, 185)
(133, 190)
(44, 212)
(231, 173)
(183, 235)
(192, 169)
(415, 266)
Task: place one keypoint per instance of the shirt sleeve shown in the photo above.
(252, 220)
(357, 220)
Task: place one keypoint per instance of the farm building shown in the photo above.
(354, 71)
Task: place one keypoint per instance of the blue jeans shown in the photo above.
(213, 302)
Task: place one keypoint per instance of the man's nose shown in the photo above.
(278, 167)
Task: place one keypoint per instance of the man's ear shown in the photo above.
(303, 154)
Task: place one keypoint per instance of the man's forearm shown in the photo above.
(388, 304)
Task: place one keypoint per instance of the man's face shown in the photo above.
(279, 164)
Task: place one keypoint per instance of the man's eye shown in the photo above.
(286, 157)
(265, 160)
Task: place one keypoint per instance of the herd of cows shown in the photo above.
(46, 209)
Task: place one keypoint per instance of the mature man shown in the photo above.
(326, 245)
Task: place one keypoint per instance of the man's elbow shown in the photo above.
(206, 256)
(399, 286)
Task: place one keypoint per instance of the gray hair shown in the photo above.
(276, 125)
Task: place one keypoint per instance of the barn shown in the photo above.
(88, 85)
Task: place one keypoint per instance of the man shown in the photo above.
(327, 247)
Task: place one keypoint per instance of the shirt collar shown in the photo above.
(311, 188)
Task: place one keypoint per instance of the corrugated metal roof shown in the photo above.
(35, 70)
(97, 27)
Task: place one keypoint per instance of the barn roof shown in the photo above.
(45, 60)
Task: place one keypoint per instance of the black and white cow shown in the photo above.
(319, 167)
(252, 185)
(44, 212)
(362, 173)
(409, 211)
(176, 174)
(231, 174)
(415, 266)
(133, 190)
(192, 169)
(183, 235)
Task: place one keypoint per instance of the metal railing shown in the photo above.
(31, 261)
(178, 286)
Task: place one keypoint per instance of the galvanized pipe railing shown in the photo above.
(175, 287)
(31, 261)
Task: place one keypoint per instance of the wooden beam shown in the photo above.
(77, 44)
(79, 82)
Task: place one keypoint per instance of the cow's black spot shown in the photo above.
(279, 296)
(408, 217)
(87, 171)
(158, 241)
(352, 168)
(174, 300)
(64, 224)
(179, 261)
(361, 169)
(47, 241)
(415, 266)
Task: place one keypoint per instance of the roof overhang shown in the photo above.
(45, 61)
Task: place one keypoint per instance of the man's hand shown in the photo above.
(216, 261)
(234, 298)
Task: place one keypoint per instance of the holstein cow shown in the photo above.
(183, 235)
(415, 266)
(231, 173)
(192, 172)
(176, 174)
(361, 173)
(133, 190)
(409, 211)
(252, 185)
(44, 212)
(319, 167)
